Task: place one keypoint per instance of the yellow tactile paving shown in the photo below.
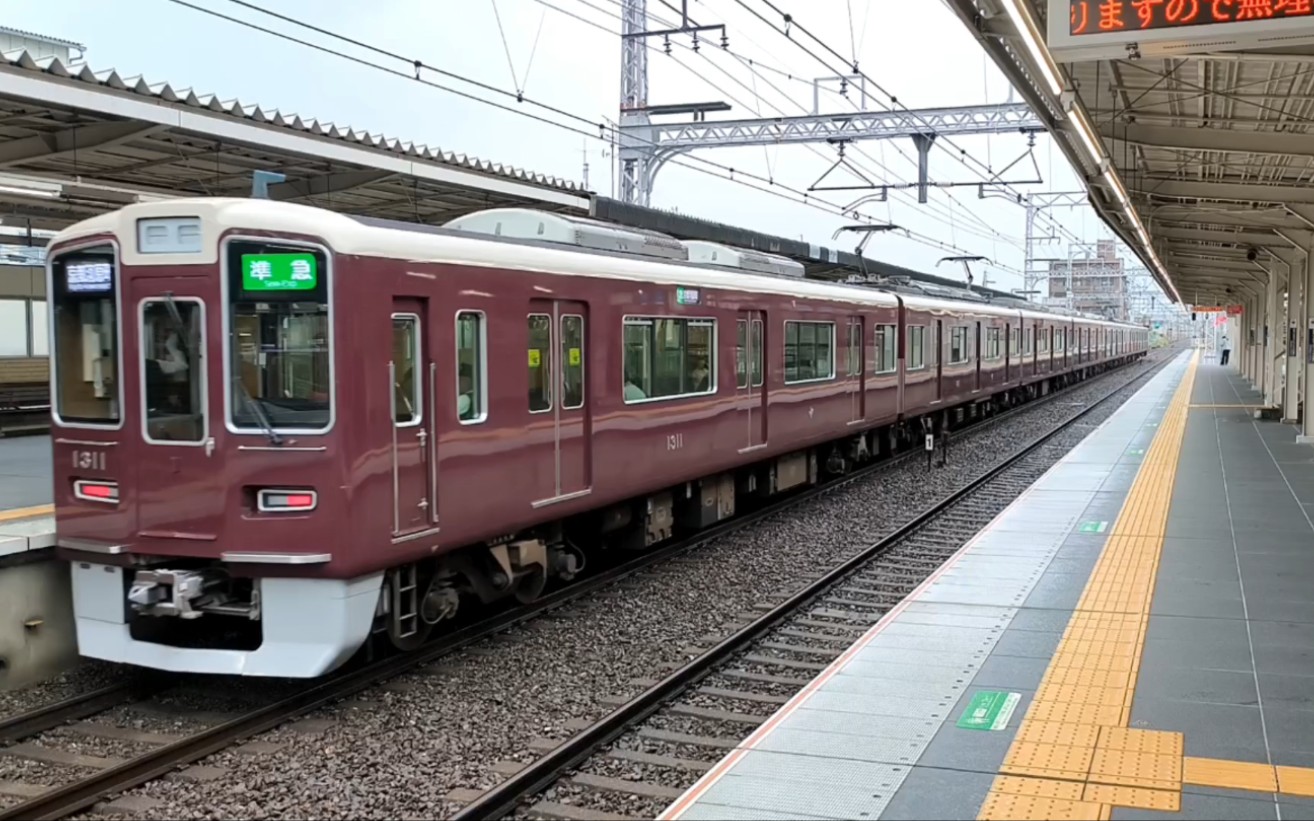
(1233, 775)
(1011, 807)
(1075, 728)
(1108, 794)
(1074, 755)
(1039, 787)
(1295, 781)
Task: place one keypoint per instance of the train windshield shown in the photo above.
(84, 307)
(279, 337)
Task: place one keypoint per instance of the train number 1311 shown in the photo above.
(675, 441)
(88, 460)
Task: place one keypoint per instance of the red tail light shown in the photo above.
(271, 500)
(90, 490)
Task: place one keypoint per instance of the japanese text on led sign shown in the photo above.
(89, 277)
(279, 272)
(1104, 16)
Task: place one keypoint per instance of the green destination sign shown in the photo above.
(989, 710)
(279, 272)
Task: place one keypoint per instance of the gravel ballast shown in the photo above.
(416, 747)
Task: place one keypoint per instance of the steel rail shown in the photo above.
(503, 799)
(60, 802)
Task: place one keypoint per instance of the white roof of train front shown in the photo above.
(346, 235)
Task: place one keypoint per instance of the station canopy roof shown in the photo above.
(1190, 125)
(76, 142)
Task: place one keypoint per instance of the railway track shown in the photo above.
(759, 682)
(641, 756)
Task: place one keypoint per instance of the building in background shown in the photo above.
(1090, 283)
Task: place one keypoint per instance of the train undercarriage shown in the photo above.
(416, 598)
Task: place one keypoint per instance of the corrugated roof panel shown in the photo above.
(166, 93)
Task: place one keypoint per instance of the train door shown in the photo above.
(856, 375)
(979, 351)
(1009, 338)
(558, 374)
(181, 410)
(939, 360)
(413, 508)
(750, 380)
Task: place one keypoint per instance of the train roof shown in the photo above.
(346, 234)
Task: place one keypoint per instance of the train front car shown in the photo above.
(197, 469)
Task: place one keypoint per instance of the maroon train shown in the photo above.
(239, 490)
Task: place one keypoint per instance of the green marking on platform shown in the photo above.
(1093, 527)
(1137, 451)
(989, 710)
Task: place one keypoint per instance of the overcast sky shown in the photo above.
(566, 53)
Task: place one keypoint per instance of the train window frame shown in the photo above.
(547, 379)
(196, 366)
(479, 394)
(916, 358)
(814, 324)
(993, 343)
(226, 297)
(965, 351)
(853, 356)
(565, 360)
(90, 246)
(886, 361)
(1029, 341)
(650, 321)
(755, 377)
(417, 371)
(1014, 341)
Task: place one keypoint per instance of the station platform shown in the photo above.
(26, 521)
(1132, 638)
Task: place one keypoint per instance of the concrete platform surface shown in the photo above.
(1132, 638)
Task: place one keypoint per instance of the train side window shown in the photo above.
(572, 361)
(993, 346)
(759, 352)
(742, 365)
(957, 344)
(540, 362)
(741, 353)
(1029, 341)
(887, 348)
(471, 373)
(1014, 340)
(853, 363)
(916, 347)
(809, 351)
(668, 358)
(405, 364)
(173, 383)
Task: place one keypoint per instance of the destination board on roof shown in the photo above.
(1131, 29)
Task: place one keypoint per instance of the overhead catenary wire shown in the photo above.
(965, 157)
(603, 130)
(937, 211)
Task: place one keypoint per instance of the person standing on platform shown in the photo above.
(1225, 346)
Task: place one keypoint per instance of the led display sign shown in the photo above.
(279, 272)
(1087, 17)
(1080, 30)
(89, 277)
